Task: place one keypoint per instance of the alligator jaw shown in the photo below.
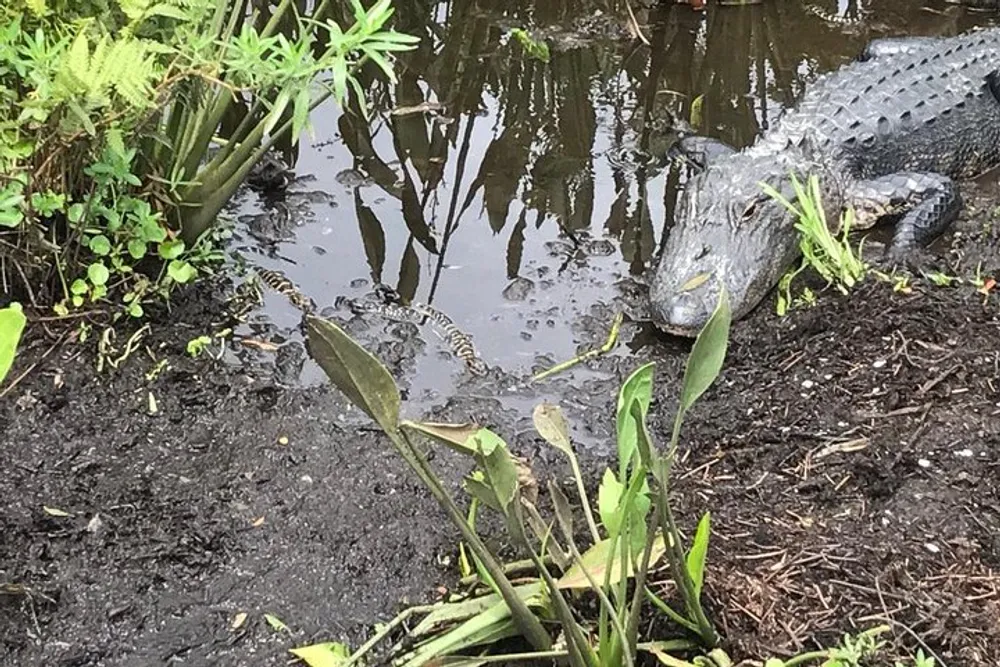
(673, 330)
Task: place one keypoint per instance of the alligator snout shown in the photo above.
(686, 311)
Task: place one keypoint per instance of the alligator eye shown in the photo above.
(750, 210)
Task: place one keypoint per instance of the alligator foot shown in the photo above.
(699, 151)
(928, 203)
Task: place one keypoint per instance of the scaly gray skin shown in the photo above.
(886, 134)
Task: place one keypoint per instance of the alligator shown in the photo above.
(888, 135)
(388, 305)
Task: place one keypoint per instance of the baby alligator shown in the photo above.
(460, 342)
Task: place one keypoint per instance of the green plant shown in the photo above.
(196, 346)
(823, 250)
(920, 660)
(851, 652)
(535, 48)
(114, 167)
(942, 279)
(900, 281)
(12, 323)
(637, 526)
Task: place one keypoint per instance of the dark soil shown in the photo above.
(849, 455)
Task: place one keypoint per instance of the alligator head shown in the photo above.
(727, 231)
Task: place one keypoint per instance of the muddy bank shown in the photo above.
(848, 455)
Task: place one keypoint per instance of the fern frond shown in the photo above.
(37, 7)
(125, 65)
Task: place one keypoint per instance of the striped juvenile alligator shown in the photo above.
(887, 135)
(460, 343)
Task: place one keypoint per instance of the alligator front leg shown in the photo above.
(700, 151)
(927, 202)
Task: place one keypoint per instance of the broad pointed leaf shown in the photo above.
(355, 372)
(699, 552)
(596, 560)
(564, 511)
(707, 354)
(551, 425)
(328, 654)
(477, 487)
(638, 388)
(609, 496)
(501, 472)
(458, 437)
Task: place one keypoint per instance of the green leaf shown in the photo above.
(340, 78)
(551, 425)
(477, 487)
(137, 248)
(699, 551)
(12, 323)
(501, 472)
(457, 437)
(563, 510)
(609, 496)
(355, 372)
(100, 245)
(637, 389)
(276, 623)
(167, 10)
(451, 614)
(11, 218)
(329, 654)
(75, 213)
(152, 232)
(98, 274)
(300, 112)
(707, 354)
(181, 271)
(79, 287)
(697, 116)
(171, 249)
(381, 62)
(284, 97)
(596, 562)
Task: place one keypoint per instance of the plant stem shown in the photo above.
(527, 623)
(386, 630)
(675, 549)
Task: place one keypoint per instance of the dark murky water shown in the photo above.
(517, 195)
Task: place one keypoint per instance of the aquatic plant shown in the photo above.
(12, 323)
(637, 526)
